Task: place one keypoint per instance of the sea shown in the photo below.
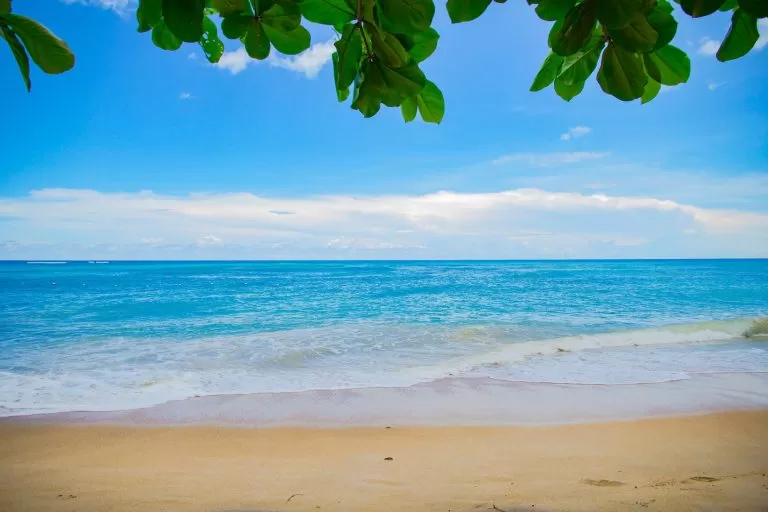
(119, 335)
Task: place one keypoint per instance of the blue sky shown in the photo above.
(140, 153)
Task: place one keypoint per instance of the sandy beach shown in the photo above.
(712, 462)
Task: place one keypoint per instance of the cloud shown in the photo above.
(713, 86)
(209, 241)
(708, 46)
(309, 62)
(192, 56)
(516, 223)
(235, 61)
(762, 28)
(575, 132)
(119, 6)
(549, 159)
(185, 96)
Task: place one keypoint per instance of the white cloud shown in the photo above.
(192, 56)
(119, 6)
(235, 61)
(523, 222)
(713, 86)
(575, 132)
(762, 28)
(549, 159)
(708, 46)
(209, 241)
(309, 62)
(185, 96)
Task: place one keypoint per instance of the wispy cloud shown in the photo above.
(511, 223)
(119, 6)
(762, 28)
(575, 132)
(235, 61)
(708, 46)
(549, 159)
(308, 63)
(185, 96)
(713, 86)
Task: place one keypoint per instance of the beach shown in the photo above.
(705, 462)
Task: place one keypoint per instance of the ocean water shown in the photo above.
(79, 336)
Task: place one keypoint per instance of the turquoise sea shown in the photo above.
(122, 335)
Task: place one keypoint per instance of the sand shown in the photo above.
(702, 463)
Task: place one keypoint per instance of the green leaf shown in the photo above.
(663, 23)
(466, 10)
(729, 5)
(184, 18)
(349, 50)
(652, 89)
(741, 37)
(568, 91)
(757, 8)
(618, 13)
(5, 6)
(420, 45)
(341, 93)
(431, 103)
(256, 41)
(699, 8)
(49, 52)
(409, 108)
(164, 38)
(368, 91)
(578, 67)
(548, 72)
(622, 74)
(672, 65)
(407, 16)
(289, 43)
(387, 47)
(22, 59)
(326, 12)
(401, 82)
(553, 10)
(637, 36)
(148, 14)
(210, 42)
(283, 17)
(575, 31)
(230, 7)
(235, 26)
(262, 5)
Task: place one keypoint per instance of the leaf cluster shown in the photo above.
(382, 44)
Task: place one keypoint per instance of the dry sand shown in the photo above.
(703, 463)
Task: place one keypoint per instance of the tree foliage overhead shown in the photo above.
(382, 43)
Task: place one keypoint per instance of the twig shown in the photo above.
(293, 496)
(497, 508)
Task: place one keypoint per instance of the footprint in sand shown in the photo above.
(603, 483)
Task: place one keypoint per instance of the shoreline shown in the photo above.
(446, 402)
(704, 462)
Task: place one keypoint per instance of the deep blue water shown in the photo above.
(125, 334)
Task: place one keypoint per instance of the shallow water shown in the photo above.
(80, 336)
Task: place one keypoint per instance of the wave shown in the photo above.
(516, 352)
(758, 329)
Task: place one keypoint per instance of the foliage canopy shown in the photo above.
(382, 43)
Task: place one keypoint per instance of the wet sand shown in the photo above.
(712, 462)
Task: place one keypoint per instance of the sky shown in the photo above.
(138, 153)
